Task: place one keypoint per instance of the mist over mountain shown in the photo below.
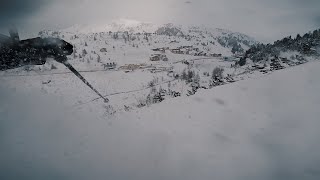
(288, 17)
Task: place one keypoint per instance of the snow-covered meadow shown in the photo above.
(263, 128)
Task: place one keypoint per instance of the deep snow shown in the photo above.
(263, 128)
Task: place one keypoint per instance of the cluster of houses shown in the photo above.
(158, 57)
(162, 50)
(184, 50)
(189, 50)
(109, 66)
(207, 54)
(179, 50)
(132, 67)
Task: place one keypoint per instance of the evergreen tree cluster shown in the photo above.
(169, 30)
(234, 42)
(304, 44)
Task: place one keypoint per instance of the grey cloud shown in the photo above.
(14, 10)
(316, 19)
(264, 20)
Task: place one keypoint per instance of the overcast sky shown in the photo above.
(265, 20)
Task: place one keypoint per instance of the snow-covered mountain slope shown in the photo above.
(136, 69)
(265, 128)
(128, 42)
(126, 58)
(130, 87)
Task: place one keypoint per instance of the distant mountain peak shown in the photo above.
(135, 26)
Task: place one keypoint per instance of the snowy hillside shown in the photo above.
(132, 62)
(129, 42)
(138, 69)
(262, 128)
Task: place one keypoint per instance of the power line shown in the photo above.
(124, 92)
